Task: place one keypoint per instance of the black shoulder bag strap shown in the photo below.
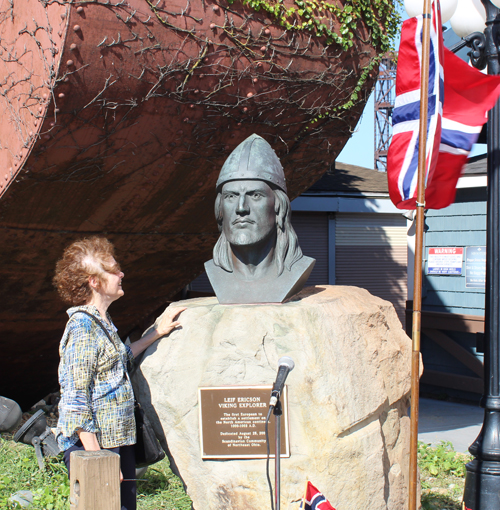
(98, 322)
(106, 332)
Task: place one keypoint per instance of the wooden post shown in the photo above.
(95, 480)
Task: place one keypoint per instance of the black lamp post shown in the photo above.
(482, 482)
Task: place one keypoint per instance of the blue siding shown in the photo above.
(436, 358)
(462, 208)
(461, 224)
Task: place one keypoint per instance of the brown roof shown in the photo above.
(351, 179)
(345, 178)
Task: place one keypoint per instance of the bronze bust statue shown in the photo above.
(257, 258)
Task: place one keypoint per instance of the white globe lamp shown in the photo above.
(416, 7)
(469, 17)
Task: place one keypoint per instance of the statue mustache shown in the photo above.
(242, 220)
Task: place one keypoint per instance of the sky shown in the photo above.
(360, 149)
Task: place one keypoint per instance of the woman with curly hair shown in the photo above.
(96, 409)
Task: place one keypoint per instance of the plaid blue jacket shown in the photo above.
(96, 394)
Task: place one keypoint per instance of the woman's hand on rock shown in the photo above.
(167, 322)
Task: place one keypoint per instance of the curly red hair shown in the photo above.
(93, 256)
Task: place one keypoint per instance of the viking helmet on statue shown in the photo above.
(254, 158)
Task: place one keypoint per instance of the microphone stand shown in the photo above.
(277, 459)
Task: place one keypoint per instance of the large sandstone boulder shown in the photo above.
(347, 397)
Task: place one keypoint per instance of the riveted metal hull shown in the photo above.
(116, 119)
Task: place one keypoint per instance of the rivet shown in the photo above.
(239, 124)
(216, 8)
(60, 95)
(76, 28)
(66, 79)
(79, 10)
(255, 80)
(202, 75)
(56, 110)
(40, 109)
(245, 109)
(16, 164)
(259, 64)
(263, 49)
(69, 63)
(212, 25)
(267, 31)
(196, 91)
(191, 106)
(186, 119)
(47, 137)
(73, 47)
(44, 96)
(52, 124)
(63, 15)
(30, 134)
(250, 94)
(59, 33)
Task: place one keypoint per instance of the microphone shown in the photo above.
(286, 365)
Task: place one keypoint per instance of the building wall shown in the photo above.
(461, 224)
(371, 252)
(450, 353)
(312, 231)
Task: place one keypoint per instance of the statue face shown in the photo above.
(248, 215)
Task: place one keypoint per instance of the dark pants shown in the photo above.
(128, 490)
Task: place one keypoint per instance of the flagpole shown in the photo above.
(419, 237)
(303, 506)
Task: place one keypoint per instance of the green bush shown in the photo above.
(442, 476)
(441, 459)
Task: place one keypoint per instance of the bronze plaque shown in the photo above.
(232, 423)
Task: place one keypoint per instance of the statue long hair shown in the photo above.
(287, 250)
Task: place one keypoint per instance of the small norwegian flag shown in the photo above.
(314, 500)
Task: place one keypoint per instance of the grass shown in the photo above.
(19, 471)
(442, 476)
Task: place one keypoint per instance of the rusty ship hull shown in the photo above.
(116, 117)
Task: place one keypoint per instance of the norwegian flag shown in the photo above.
(456, 114)
(402, 158)
(469, 95)
(314, 500)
